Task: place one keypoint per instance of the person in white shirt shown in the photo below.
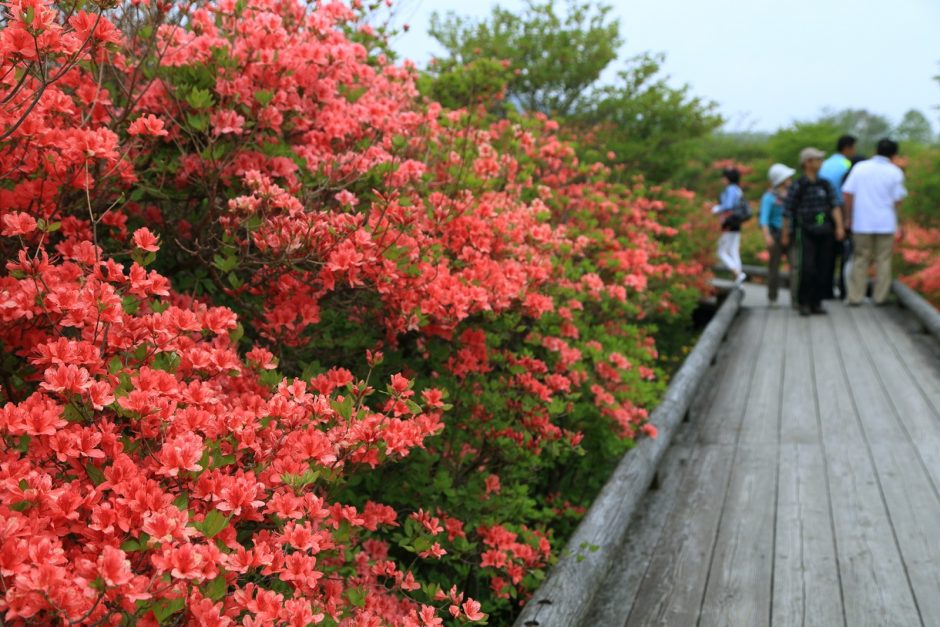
(872, 193)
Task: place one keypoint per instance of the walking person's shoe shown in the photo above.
(818, 310)
(740, 279)
(805, 311)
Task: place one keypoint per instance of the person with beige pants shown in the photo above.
(872, 194)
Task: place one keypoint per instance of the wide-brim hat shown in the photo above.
(778, 173)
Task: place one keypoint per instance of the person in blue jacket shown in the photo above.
(771, 223)
(729, 245)
(835, 169)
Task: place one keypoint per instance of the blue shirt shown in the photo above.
(730, 197)
(833, 170)
(771, 211)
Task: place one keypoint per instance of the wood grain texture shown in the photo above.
(672, 588)
(739, 583)
(875, 585)
(806, 577)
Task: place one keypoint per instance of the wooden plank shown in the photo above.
(671, 590)
(739, 583)
(915, 512)
(707, 393)
(906, 385)
(798, 422)
(875, 587)
(619, 590)
(806, 575)
(716, 428)
(761, 424)
(907, 471)
(919, 352)
(565, 597)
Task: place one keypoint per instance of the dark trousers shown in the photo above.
(841, 255)
(777, 251)
(814, 256)
(841, 252)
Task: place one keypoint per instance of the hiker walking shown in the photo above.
(835, 169)
(771, 223)
(812, 217)
(873, 193)
(729, 208)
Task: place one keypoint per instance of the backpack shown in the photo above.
(815, 222)
(742, 210)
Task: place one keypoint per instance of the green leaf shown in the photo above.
(216, 588)
(198, 122)
(165, 608)
(200, 98)
(167, 361)
(225, 264)
(237, 333)
(130, 546)
(356, 596)
(94, 473)
(264, 96)
(214, 523)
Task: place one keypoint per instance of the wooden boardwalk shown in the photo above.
(805, 488)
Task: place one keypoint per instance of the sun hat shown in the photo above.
(778, 173)
(810, 153)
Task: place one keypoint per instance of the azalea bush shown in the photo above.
(285, 342)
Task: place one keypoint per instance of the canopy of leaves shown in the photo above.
(785, 145)
(868, 127)
(554, 58)
(644, 122)
(915, 128)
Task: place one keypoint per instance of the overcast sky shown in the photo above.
(765, 63)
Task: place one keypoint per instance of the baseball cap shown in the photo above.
(810, 153)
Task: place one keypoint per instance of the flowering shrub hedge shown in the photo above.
(285, 343)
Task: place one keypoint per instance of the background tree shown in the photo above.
(555, 59)
(915, 128)
(638, 121)
(785, 145)
(643, 122)
(868, 127)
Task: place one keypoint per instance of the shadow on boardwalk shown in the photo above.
(805, 490)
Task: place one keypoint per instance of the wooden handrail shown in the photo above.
(565, 597)
(926, 313)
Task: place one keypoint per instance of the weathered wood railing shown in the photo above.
(566, 595)
(925, 313)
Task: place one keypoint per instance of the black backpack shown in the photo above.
(813, 222)
(742, 210)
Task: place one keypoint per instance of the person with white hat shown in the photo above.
(771, 223)
(812, 217)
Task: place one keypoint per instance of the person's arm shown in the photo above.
(900, 194)
(840, 226)
(836, 209)
(766, 207)
(848, 202)
(789, 226)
